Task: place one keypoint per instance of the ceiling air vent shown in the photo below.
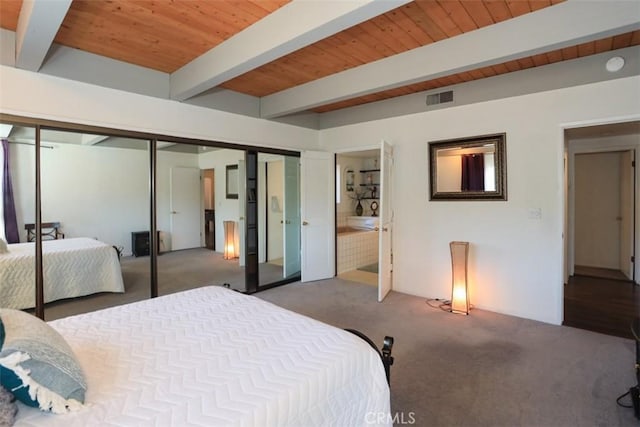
(440, 98)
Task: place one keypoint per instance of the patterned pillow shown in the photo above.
(37, 365)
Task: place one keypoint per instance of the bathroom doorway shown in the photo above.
(357, 216)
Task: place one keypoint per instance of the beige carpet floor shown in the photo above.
(485, 369)
(177, 271)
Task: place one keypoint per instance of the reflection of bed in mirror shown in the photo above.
(71, 268)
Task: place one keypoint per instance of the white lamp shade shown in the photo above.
(459, 288)
(230, 246)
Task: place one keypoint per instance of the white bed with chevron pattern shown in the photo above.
(214, 357)
(71, 268)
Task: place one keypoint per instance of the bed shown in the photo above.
(71, 268)
(211, 356)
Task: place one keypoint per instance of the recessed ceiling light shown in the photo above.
(615, 64)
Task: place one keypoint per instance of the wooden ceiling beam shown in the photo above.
(298, 23)
(38, 25)
(538, 32)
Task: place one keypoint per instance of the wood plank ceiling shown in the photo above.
(165, 35)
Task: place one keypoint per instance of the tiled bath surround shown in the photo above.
(356, 248)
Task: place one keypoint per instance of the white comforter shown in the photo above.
(213, 357)
(71, 268)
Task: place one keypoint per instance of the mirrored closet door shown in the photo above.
(199, 217)
(95, 189)
(17, 202)
(278, 217)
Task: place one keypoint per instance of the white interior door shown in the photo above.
(242, 207)
(185, 208)
(597, 210)
(385, 258)
(318, 218)
(627, 201)
(291, 216)
(262, 214)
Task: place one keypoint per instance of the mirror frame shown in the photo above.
(500, 158)
(231, 176)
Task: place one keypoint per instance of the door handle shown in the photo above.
(376, 228)
(385, 229)
(173, 212)
(305, 223)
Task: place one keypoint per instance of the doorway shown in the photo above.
(357, 210)
(601, 292)
(603, 194)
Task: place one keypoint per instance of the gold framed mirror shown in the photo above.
(472, 168)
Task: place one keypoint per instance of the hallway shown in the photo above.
(601, 305)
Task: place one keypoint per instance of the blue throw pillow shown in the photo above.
(37, 365)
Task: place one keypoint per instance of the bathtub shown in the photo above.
(356, 248)
(363, 222)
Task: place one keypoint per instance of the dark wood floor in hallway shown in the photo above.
(601, 305)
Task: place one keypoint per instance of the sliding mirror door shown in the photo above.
(199, 216)
(17, 208)
(278, 218)
(95, 198)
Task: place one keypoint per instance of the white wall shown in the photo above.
(104, 192)
(347, 205)
(94, 192)
(516, 262)
(449, 173)
(37, 95)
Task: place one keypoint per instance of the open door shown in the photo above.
(626, 218)
(385, 257)
(317, 207)
(242, 198)
(291, 216)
